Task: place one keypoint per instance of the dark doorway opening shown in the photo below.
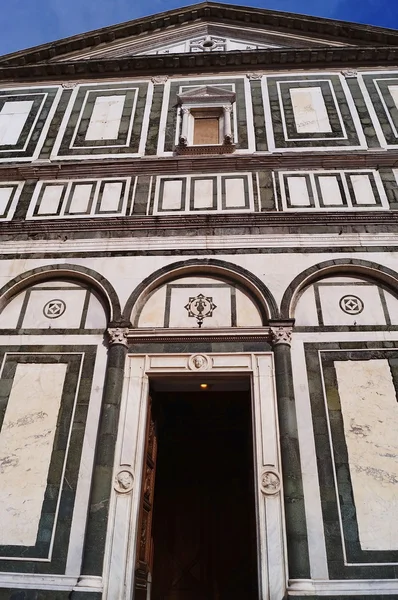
(204, 526)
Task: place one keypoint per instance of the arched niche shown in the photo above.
(194, 301)
(343, 300)
(54, 304)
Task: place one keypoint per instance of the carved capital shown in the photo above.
(118, 335)
(227, 108)
(350, 73)
(281, 335)
(159, 79)
(254, 76)
(185, 110)
(69, 85)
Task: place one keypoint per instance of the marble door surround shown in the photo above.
(120, 551)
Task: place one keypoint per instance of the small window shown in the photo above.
(206, 123)
(206, 127)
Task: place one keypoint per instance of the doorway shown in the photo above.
(204, 520)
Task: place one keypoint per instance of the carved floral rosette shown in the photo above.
(199, 362)
(124, 480)
(270, 481)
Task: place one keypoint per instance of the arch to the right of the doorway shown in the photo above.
(366, 270)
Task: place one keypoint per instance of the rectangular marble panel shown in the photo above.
(35, 314)
(106, 117)
(5, 195)
(26, 442)
(203, 190)
(50, 200)
(13, 117)
(180, 297)
(337, 309)
(309, 109)
(298, 191)
(110, 198)
(393, 89)
(370, 415)
(329, 186)
(235, 193)
(362, 189)
(172, 192)
(80, 200)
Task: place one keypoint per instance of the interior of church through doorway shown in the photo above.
(197, 516)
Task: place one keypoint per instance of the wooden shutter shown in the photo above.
(144, 559)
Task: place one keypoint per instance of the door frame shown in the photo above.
(119, 563)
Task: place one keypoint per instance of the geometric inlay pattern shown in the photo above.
(200, 307)
(54, 309)
(351, 305)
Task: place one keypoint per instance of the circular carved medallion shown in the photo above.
(270, 482)
(54, 309)
(124, 481)
(351, 305)
(199, 362)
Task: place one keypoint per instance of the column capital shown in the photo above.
(117, 335)
(281, 332)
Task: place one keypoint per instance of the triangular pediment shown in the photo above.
(206, 27)
(207, 93)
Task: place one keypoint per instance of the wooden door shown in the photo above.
(144, 559)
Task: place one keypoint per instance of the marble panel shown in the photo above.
(9, 316)
(111, 194)
(347, 304)
(69, 314)
(309, 110)
(363, 191)
(393, 89)
(370, 415)
(106, 118)
(330, 190)
(152, 314)
(298, 191)
(26, 442)
(305, 313)
(235, 193)
(5, 196)
(13, 117)
(247, 314)
(203, 193)
(179, 298)
(392, 307)
(172, 194)
(49, 202)
(95, 318)
(80, 198)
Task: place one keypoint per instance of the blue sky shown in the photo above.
(26, 23)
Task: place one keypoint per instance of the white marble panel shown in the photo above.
(152, 314)
(26, 442)
(50, 199)
(81, 198)
(362, 189)
(393, 89)
(235, 193)
(203, 190)
(5, 195)
(247, 314)
(10, 314)
(111, 196)
(172, 190)
(180, 297)
(309, 110)
(330, 190)
(392, 307)
(305, 313)
(71, 318)
(370, 415)
(298, 191)
(372, 313)
(106, 117)
(13, 117)
(95, 318)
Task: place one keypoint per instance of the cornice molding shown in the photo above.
(370, 159)
(209, 62)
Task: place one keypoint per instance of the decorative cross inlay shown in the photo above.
(351, 305)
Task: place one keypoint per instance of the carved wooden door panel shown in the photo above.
(144, 559)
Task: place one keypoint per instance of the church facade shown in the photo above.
(199, 311)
